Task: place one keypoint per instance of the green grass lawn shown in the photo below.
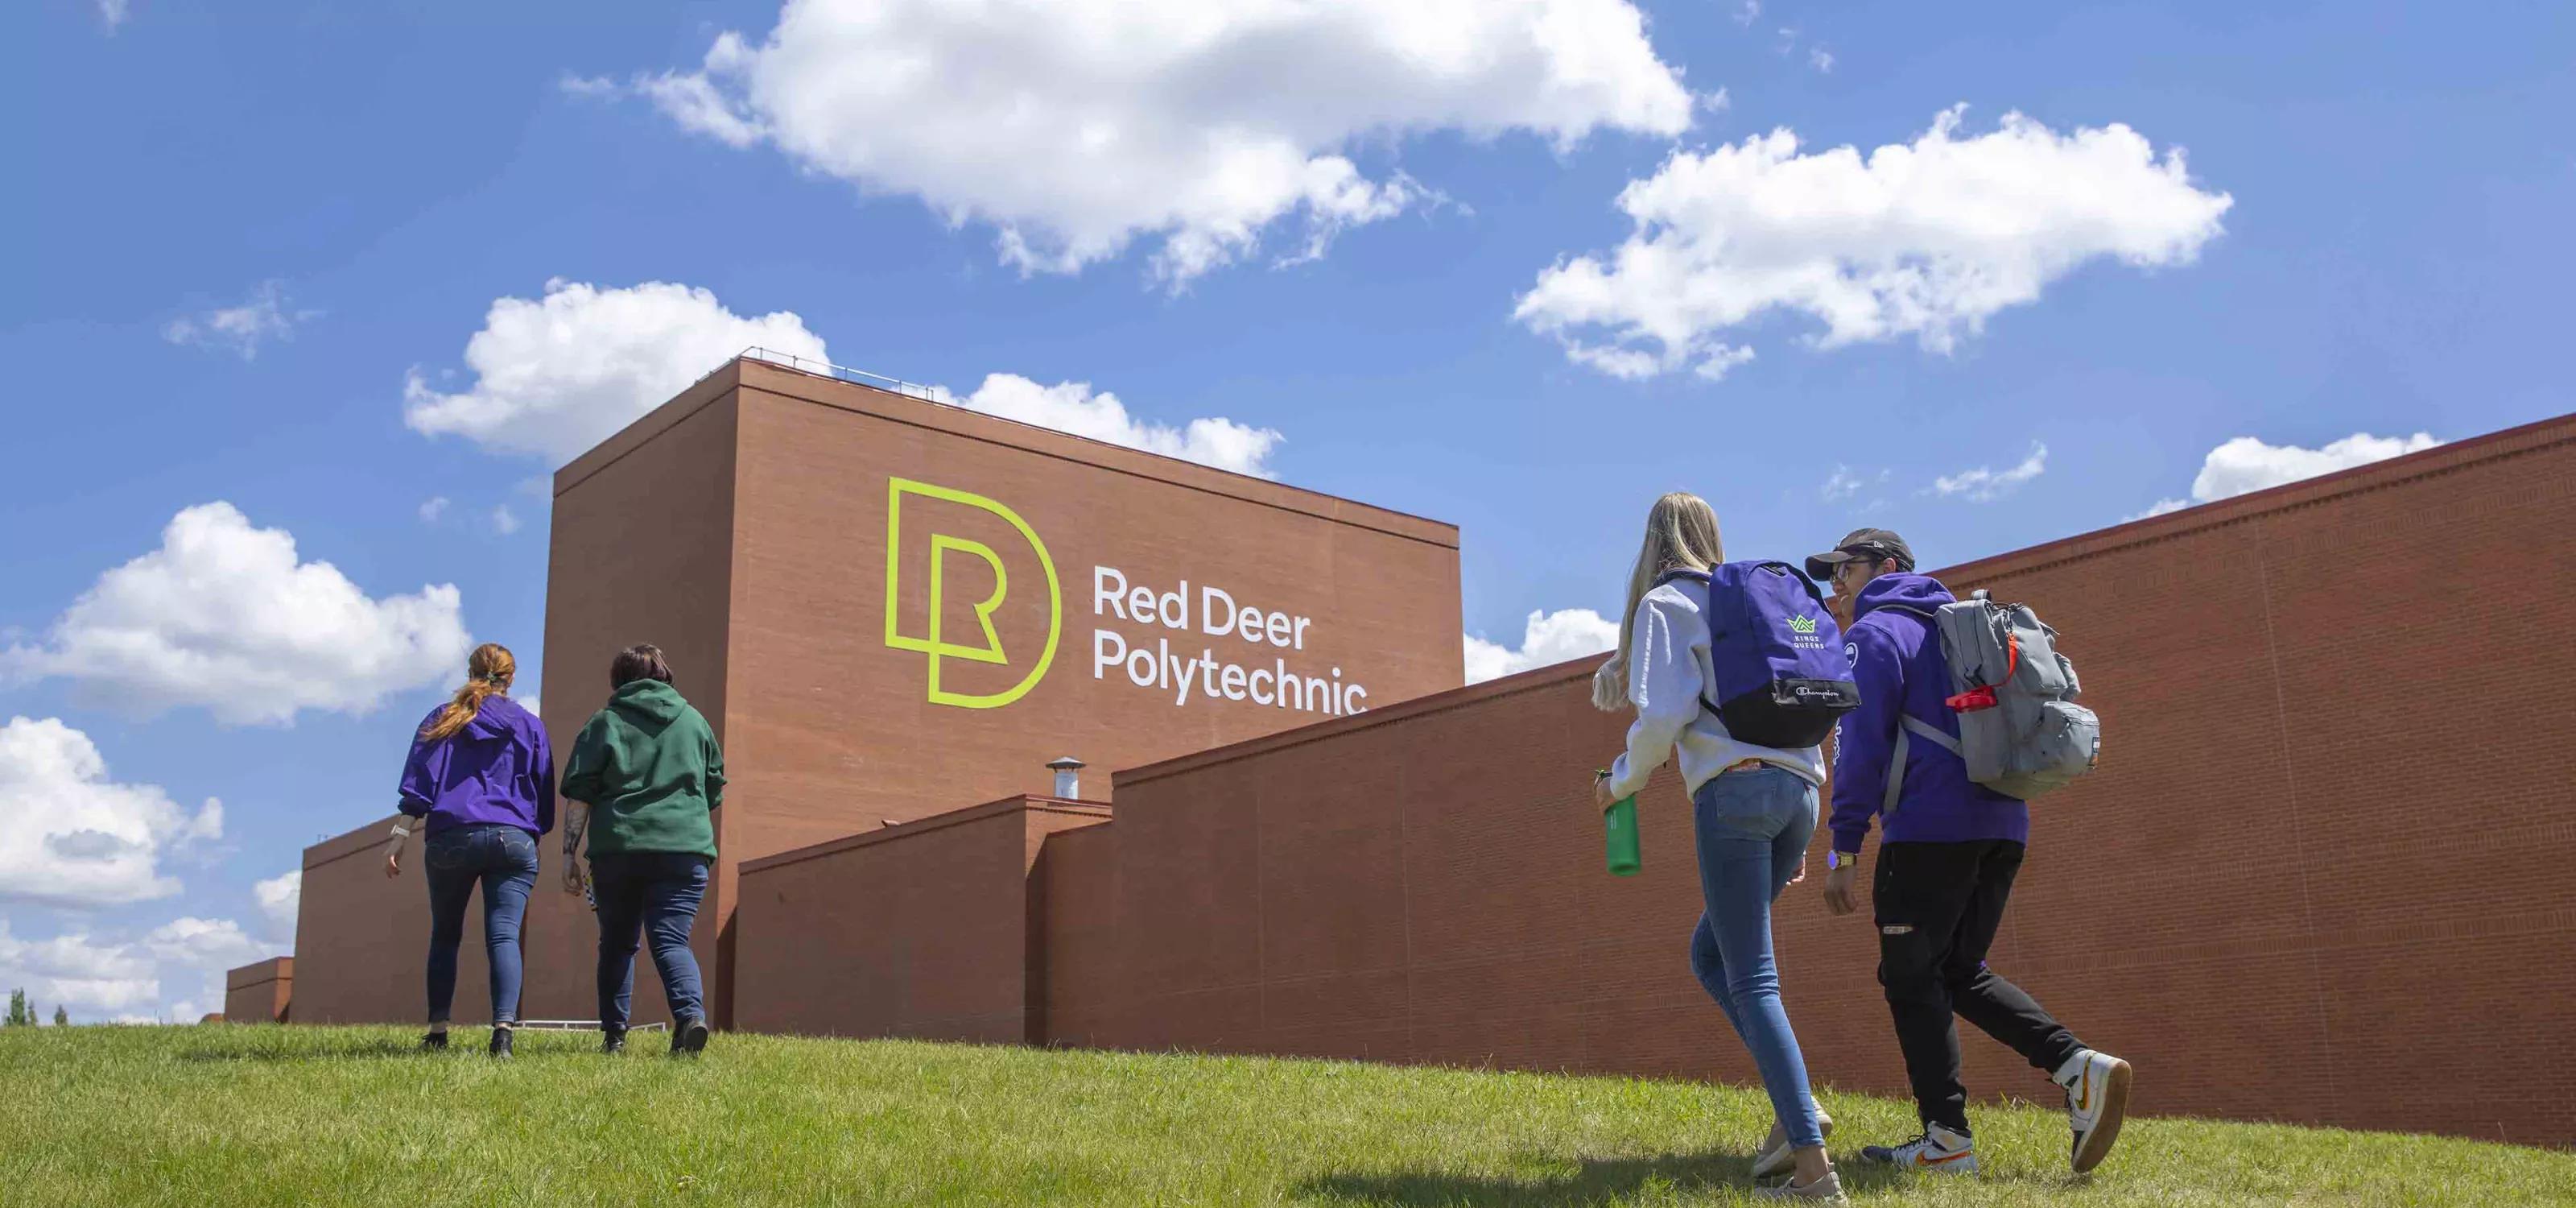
(298, 1115)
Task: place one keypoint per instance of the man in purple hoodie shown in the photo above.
(1947, 855)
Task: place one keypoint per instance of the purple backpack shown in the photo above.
(1782, 679)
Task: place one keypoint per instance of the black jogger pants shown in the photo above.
(1937, 906)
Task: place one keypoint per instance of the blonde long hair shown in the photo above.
(487, 674)
(1681, 534)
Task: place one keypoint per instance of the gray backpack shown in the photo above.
(2020, 731)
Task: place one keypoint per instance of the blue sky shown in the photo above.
(237, 234)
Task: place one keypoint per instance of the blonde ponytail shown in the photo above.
(1681, 534)
(487, 674)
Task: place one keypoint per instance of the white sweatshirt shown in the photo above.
(1668, 670)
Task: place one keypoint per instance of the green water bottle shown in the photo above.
(1619, 832)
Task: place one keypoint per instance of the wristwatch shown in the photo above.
(1836, 859)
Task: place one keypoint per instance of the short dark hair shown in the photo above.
(642, 661)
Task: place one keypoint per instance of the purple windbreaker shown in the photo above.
(497, 769)
(1897, 661)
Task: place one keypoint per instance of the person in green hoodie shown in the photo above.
(640, 781)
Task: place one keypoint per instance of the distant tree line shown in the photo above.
(22, 1013)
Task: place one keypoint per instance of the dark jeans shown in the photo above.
(647, 894)
(503, 859)
(1937, 906)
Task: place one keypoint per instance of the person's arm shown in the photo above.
(1664, 684)
(1866, 737)
(581, 789)
(394, 848)
(586, 767)
(415, 793)
(420, 774)
(576, 821)
(715, 770)
(1864, 742)
(545, 781)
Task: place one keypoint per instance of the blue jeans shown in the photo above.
(503, 859)
(1753, 830)
(640, 895)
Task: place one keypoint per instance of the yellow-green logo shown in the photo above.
(1802, 624)
(941, 544)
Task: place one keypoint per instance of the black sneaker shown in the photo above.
(501, 1042)
(433, 1042)
(689, 1037)
(613, 1043)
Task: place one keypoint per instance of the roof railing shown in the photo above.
(859, 377)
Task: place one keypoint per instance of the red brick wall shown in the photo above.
(259, 993)
(362, 940)
(917, 930)
(1071, 888)
(2323, 874)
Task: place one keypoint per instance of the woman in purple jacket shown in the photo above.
(481, 773)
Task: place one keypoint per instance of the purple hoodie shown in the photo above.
(497, 769)
(1897, 661)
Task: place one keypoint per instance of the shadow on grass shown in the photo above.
(393, 1049)
(1600, 1181)
(352, 1050)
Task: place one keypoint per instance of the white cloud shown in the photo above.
(1926, 239)
(559, 376)
(528, 703)
(240, 328)
(504, 521)
(1820, 59)
(1072, 407)
(1984, 485)
(432, 510)
(2245, 465)
(279, 897)
(1549, 637)
(217, 944)
(96, 979)
(1747, 12)
(222, 616)
(1841, 484)
(74, 972)
(1075, 127)
(113, 13)
(70, 836)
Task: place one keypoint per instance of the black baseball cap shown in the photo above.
(1876, 545)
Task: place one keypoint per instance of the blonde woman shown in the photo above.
(482, 775)
(1753, 808)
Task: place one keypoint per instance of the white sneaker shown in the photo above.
(1938, 1150)
(2097, 1100)
(1777, 1158)
(1828, 1189)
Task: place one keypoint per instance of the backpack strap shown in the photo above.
(1700, 577)
(1931, 732)
(1908, 725)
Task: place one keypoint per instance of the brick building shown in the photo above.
(2321, 876)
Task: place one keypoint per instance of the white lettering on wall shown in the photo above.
(1221, 615)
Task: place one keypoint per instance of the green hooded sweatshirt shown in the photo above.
(649, 767)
